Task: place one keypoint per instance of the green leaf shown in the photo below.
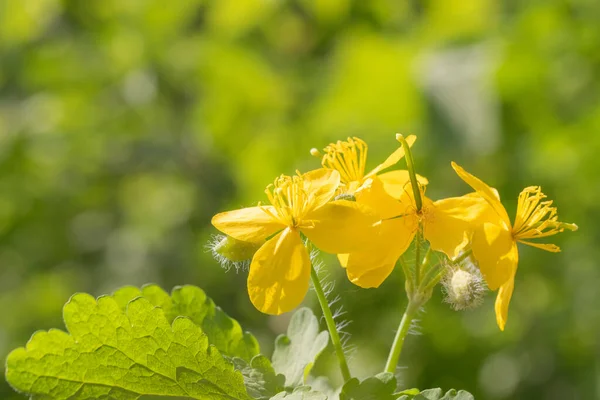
(409, 392)
(378, 387)
(259, 377)
(438, 394)
(296, 352)
(301, 393)
(122, 354)
(431, 394)
(223, 332)
(460, 395)
(323, 385)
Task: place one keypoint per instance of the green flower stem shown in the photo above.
(394, 356)
(410, 165)
(333, 333)
(418, 257)
(426, 258)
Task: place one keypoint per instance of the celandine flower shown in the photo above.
(349, 158)
(447, 225)
(495, 240)
(280, 270)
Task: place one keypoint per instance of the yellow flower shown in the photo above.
(495, 240)
(280, 270)
(447, 225)
(349, 158)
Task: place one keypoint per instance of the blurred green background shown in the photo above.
(125, 125)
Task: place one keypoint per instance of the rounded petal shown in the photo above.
(374, 196)
(342, 226)
(449, 223)
(321, 184)
(397, 182)
(370, 268)
(372, 278)
(279, 274)
(393, 158)
(506, 290)
(492, 245)
(252, 224)
(488, 193)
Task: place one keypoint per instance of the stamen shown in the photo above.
(349, 158)
(288, 197)
(537, 219)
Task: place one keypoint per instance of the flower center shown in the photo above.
(536, 218)
(290, 199)
(349, 158)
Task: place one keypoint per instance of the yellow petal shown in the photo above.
(544, 246)
(341, 227)
(374, 196)
(492, 244)
(397, 182)
(488, 193)
(343, 259)
(369, 269)
(448, 224)
(279, 274)
(393, 158)
(506, 290)
(252, 224)
(321, 185)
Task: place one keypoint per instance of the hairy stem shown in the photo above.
(394, 356)
(417, 258)
(333, 333)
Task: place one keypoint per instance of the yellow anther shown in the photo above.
(288, 197)
(349, 158)
(536, 218)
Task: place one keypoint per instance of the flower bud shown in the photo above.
(230, 252)
(464, 286)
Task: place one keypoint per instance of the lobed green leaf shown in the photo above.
(122, 349)
(378, 387)
(438, 394)
(301, 393)
(223, 332)
(296, 352)
(260, 378)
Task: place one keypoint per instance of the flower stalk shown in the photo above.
(333, 333)
(394, 355)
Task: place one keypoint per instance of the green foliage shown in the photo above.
(223, 332)
(296, 352)
(143, 342)
(122, 354)
(301, 393)
(379, 387)
(260, 378)
(383, 387)
(438, 394)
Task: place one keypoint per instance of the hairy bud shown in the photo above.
(464, 286)
(230, 252)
